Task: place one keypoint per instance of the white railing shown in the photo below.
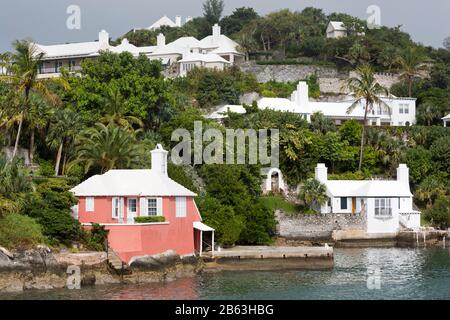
(410, 220)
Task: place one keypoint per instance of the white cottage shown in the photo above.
(388, 204)
(336, 29)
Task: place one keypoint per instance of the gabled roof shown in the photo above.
(367, 188)
(179, 46)
(131, 183)
(278, 104)
(221, 112)
(337, 25)
(225, 42)
(447, 117)
(163, 21)
(203, 57)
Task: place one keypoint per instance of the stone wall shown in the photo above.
(331, 80)
(317, 226)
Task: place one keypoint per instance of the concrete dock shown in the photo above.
(269, 258)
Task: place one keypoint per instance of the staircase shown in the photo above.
(116, 264)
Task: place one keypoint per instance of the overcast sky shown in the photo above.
(45, 20)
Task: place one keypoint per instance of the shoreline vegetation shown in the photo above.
(59, 132)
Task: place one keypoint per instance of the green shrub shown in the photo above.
(46, 168)
(17, 230)
(96, 237)
(151, 219)
(439, 214)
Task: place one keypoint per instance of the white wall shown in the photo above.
(378, 225)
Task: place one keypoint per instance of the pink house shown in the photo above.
(115, 198)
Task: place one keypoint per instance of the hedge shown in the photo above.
(151, 219)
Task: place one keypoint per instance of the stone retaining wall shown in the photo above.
(317, 226)
(330, 80)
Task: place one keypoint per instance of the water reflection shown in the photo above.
(404, 274)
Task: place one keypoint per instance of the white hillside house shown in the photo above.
(216, 51)
(388, 204)
(336, 29)
(166, 21)
(401, 112)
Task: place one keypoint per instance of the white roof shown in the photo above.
(131, 183)
(367, 188)
(201, 226)
(223, 41)
(81, 49)
(339, 109)
(179, 46)
(221, 112)
(447, 117)
(338, 25)
(163, 21)
(278, 104)
(203, 57)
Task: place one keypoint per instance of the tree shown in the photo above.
(63, 128)
(440, 150)
(411, 65)
(39, 115)
(430, 189)
(447, 43)
(313, 193)
(24, 78)
(212, 10)
(366, 90)
(13, 178)
(115, 108)
(107, 147)
(237, 20)
(320, 123)
(439, 213)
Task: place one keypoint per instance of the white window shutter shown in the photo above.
(159, 205)
(113, 202)
(122, 208)
(143, 207)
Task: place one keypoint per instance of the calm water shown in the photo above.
(402, 274)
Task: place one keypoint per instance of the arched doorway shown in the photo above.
(275, 182)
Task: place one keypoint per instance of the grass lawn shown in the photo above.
(279, 203)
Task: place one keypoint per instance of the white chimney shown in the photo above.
(321, 173)
(103, 39)
(403, 174)
(159, 160)
(178, 21)
(160, 40)
(216, 34)
(188, 19)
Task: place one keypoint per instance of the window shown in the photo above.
(132, 206)
(343, 203)
(180, 207)
(383, 207)
(72, 65)
(89, 204)
(406, 110)
(58, 65)
(403, 108)
(152, 207)
(115, 208)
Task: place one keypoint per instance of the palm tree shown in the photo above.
(63, 130)
(24, 78)
(411, 64)
(39, 115)
(107, 147)
(13, 178)
(366, 90)
(313, 192)
(116, 107)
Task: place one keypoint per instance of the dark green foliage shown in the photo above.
(150, 219)
(96, 237)
(51, 206)
(439, 214)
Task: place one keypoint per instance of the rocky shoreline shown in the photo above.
(41, 268)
